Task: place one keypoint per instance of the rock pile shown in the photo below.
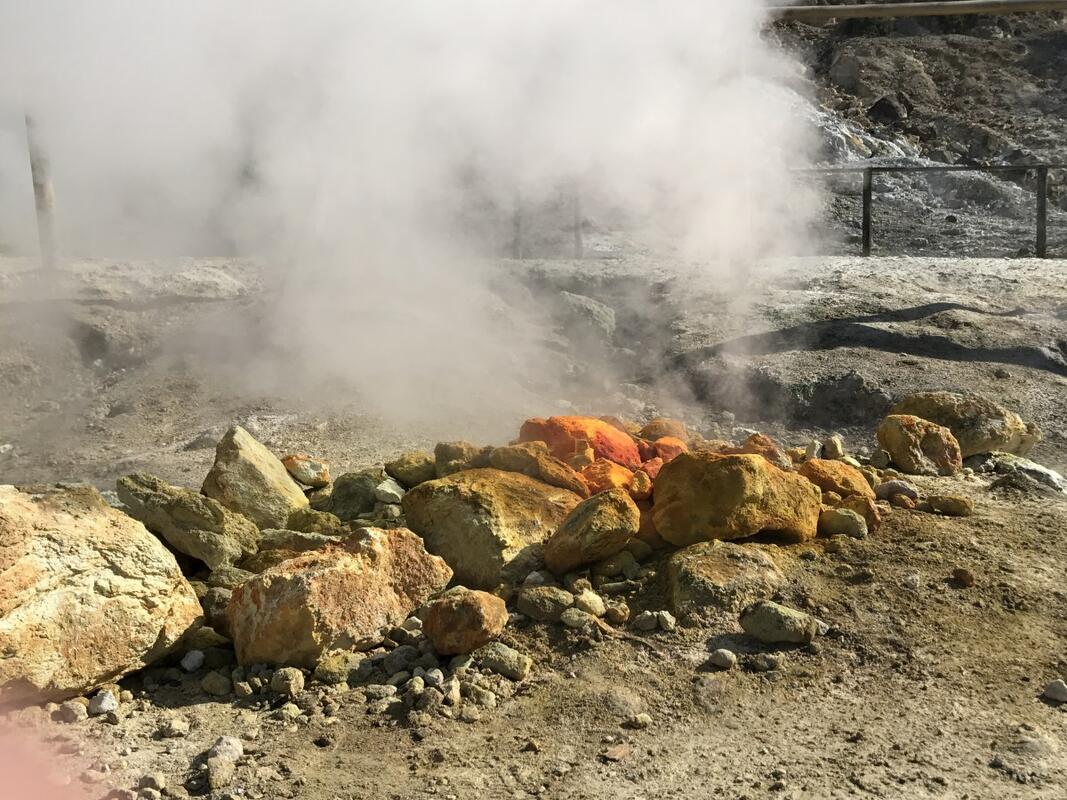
(397, 579)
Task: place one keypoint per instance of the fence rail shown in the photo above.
(868, 172)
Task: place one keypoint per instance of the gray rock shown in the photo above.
(544, 603)
(646, 621)
(666, 621)
(576, 618)
(288, 681)
(193, 660)
(353, 494)
(772, 623)
(191, 523)
(723, 658)
(765, 662)
(379, 691)
(842, 522)
(887, 489)
(216, 684)
(249, 479)
(103, 702)
(499, 658)
(1056, 691)
(389, 491)
(720, 576)
(229, 747)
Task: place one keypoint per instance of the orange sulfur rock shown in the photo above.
(562, 435)
(667, 447)
(604, 475)
(836, 476)
(652, 467)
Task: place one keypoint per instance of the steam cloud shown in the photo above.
(372, 153)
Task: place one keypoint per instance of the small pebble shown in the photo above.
(639, 721)
(193, 660)
(103, 702)
(723, 658)
(646, 621)
(1056, 691)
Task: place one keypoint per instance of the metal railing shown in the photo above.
(1041, 233)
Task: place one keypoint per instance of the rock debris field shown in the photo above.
(633, 605)
(421, 593)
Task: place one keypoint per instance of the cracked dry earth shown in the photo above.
(923, 687)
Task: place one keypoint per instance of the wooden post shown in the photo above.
(43, 195)
(1041, 248)
(867, 197)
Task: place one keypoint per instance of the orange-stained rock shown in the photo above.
(641, 485)
(604, 475)
(597, 528)
(333, 599)
(307, 470)
(646, 449)
(562, 435)
(663, 426)
(87, 595)
(462, 620)
(979, 424)
(532, 459)
(836, 476)
(652, 467)
(705, 496)
(646, 531)
(487, 523)
(667, 447)
(760, 445)
(866, 508)
(920, 447)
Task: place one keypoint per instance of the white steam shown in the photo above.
(373, 152)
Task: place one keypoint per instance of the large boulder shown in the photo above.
(462, 620)
(918, 446)
(249, 479)
(338, 598)
(87, 595)
(836, 476)
(703, 496)
(563, 435)
(191, 523)
(720, 576)
(979, 425)
(597, 528)
(486, 523)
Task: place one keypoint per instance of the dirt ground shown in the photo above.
(921, 688)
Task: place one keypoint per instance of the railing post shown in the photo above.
(867, 173)
(43, 195)
(1041, 248)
